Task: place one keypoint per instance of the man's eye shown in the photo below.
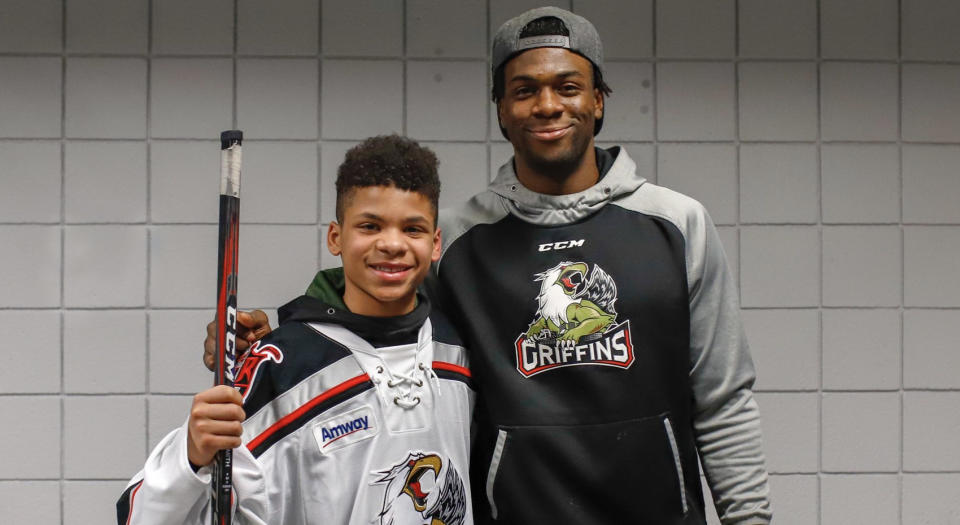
(416, 230)
(523, 91)
(569, 89)
(369, 226)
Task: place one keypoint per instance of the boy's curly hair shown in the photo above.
(389, 160)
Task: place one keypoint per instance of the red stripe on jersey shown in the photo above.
(450, 367)
(292, 416)
(133, 495)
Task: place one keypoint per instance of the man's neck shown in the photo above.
(551, 181)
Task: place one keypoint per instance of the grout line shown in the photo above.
(63, 253)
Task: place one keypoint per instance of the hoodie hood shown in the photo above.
(323, 303)
(621, 178)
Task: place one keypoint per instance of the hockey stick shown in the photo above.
(225, 355)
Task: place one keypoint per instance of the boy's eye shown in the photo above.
(369, 226)
(415, 230)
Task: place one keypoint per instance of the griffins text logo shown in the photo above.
(576, 322)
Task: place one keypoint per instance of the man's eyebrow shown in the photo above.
(562, 75)
(418, 219)
(369, 215)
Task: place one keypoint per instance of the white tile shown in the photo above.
(778, 28)
(861, 432)
(931, 102)
(695, 101)
(706, 172)
(30, 276)
(778, 183)
(183, 265)
(930, 275)
(361, 98)
(31, 26)
(794, 499)
(30, 97)
(931, 187)
(185, 181)
(91, 433)
(778, 101)
(930, 30)
(281, 27)
(200, 108)
(931, 423)
(643, 155)
(104, 351)
(785, 345)
(35, 502)
(861, 349)
(779, 266)
(331, 156)
(861, 266)
(106, 98)
(166, 414)
(500, 154)
(277, 98)
(503, 10)
(104, 266)
(463, 171)
(105, 181)
(730, 239)
(265, 281)
(692, 29)
(340, 19)
(35, 334)
(930, 356)
(931, 498)
(791, 428)
(37, 424)
(185, 27)
(859, 28)
(176, 351)
(438, 28)
(860, 183)
(107, 26)
(279, 182)
(873, 499)
(31, 181)
(628, 113)
(446, 100)
(625, 27)
(87, 502)
(496, 135)
(859, 101)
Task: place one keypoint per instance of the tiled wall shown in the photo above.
(823, 136)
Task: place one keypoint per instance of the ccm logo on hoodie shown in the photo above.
(345, 429)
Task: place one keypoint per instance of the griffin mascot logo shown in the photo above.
(576, 322)
(421, 490)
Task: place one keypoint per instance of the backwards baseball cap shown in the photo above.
(582, 39)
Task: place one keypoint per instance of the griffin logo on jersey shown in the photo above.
(575, 322)
(250, 363)
(422, 490)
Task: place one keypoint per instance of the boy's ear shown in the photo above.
(437, 245)
(333, 239)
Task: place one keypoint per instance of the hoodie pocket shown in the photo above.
(604, 473)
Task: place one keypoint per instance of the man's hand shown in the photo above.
(251, 326)
(216, 419)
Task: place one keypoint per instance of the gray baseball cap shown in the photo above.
(583, 38)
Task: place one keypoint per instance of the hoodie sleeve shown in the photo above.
(726, 416)
(168, 491)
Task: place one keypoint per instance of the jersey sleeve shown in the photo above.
(168, 491)
(726, 416)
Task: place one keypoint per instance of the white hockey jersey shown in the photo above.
(337, 432)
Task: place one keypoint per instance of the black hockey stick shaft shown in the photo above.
(225, 355)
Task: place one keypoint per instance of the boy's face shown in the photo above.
(386, 241)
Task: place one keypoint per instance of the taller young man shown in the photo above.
(601, 317)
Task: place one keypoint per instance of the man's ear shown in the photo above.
(437, 245)
(598, 104)
(333, 239)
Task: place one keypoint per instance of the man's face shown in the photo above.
(387, 240)
(549, 107)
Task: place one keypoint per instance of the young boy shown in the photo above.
(357, 409)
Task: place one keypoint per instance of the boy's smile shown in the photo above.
(386, 241)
